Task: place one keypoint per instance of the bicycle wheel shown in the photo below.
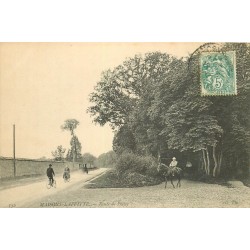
(48, 185)
(54, 184)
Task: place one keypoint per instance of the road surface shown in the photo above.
(191, 194)
(76, 194)
(22, 196)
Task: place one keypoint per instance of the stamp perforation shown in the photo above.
(234, 62)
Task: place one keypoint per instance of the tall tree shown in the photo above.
(71, 125)
(158, 95)
(74, 153)
(157, 99)
(58, 154)
(125, 98)
(231, 149)
(118, 91)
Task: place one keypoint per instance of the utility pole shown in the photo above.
(14, 150)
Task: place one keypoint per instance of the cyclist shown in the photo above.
(50, 174)
(66, 173)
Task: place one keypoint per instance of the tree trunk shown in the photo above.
(220, 162)
(74, 153)
(159, 157)
(75, 147)
(237, 162)
(205, 161)
(208, 162)
(215, 170)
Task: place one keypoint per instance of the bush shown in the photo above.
(133, 179)
(136, 171)
(128, 180)
(129, 162)
(126, 161)
(152, 168)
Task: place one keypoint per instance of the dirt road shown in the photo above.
(191, 194)
(75, 194)
(21, 196)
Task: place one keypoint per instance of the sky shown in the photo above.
(43, 84)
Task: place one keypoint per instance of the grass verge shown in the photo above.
(111, 180)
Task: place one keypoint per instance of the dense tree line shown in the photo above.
(106, 160)
(154, 104)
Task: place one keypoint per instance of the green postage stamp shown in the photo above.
(218, 73)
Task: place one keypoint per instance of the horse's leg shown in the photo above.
(172, 181)
(178, 181)
(166, 181)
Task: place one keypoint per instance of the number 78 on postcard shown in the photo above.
(218, 73)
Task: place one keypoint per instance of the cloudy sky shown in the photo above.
(43, 84)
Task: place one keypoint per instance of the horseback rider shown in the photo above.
(173, 166)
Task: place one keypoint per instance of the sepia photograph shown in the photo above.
(124, 125)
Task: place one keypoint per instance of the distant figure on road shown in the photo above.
(86, 169)
(50, 174)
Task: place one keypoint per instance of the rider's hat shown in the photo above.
(50, 165)
(173, 158)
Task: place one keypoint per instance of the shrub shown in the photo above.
(134, 163)
(133, 179)
(126, 161)
(129, 179)
(152, 167)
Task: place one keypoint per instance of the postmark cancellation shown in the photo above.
(218, 73)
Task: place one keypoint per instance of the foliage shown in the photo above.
(130, 179)
(231, 149)
(75, 151)
(129, 162)
(88, 158)
(147, 119)
(124, 140)
(134, 179)
(106, 160)
(58, 154)
(70, 125)
(118, 91)
(154, 102)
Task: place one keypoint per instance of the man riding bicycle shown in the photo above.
(50, 174)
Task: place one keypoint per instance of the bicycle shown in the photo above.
(66, 177)
(50, 184)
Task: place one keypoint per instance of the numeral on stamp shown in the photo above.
(218, 73)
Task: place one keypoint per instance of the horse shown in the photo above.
(169, 174)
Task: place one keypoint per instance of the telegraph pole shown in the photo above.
(14, 150)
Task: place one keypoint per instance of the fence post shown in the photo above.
(14, 150)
